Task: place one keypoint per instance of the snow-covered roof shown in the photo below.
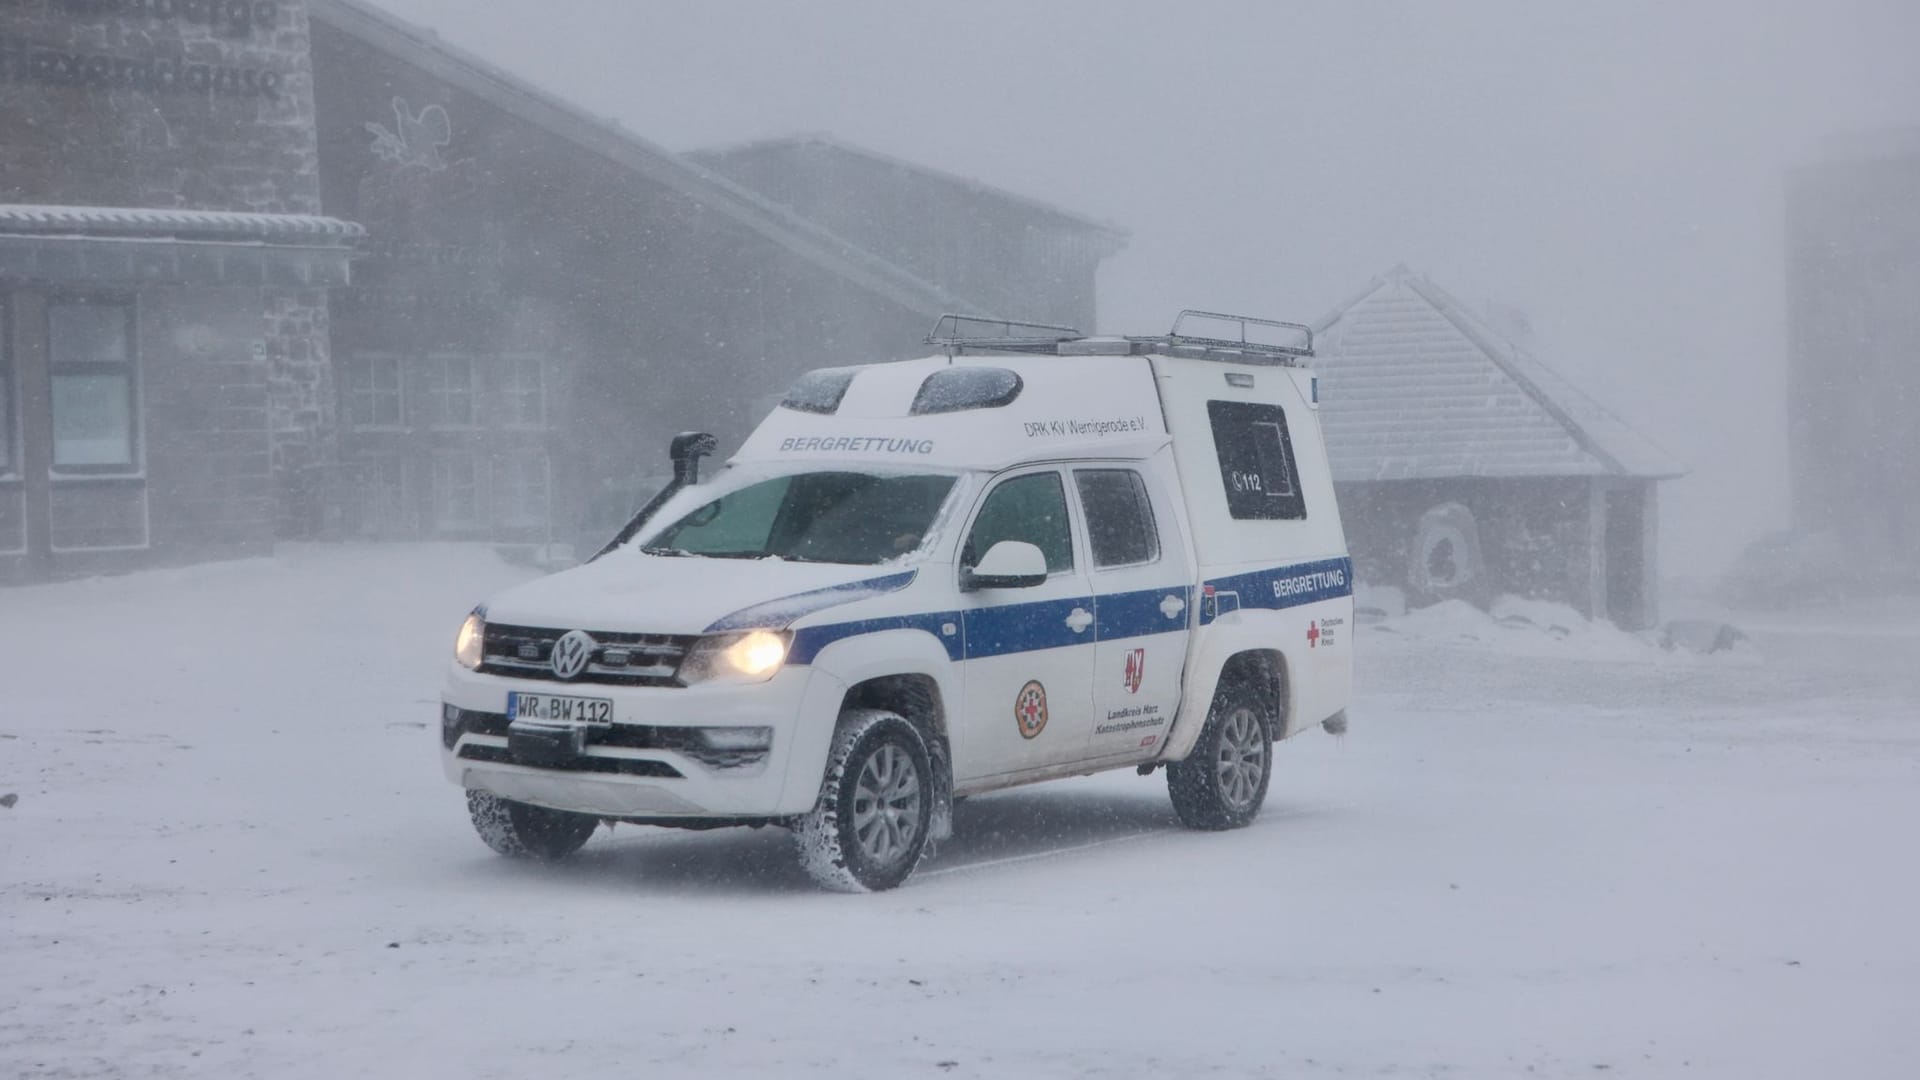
(792, 147)
(424, 49)
(118, 221)
(1415, 386)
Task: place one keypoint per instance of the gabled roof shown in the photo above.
(795, 148)
(423, 49)
(1415, 386)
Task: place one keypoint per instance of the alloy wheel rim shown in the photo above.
(1242, 760)
(886, 805)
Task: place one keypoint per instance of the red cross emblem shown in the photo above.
(1313, 635)
(1030, 709)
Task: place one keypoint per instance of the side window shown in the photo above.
(1256, 461)
(1032, 508)
(1119, 516)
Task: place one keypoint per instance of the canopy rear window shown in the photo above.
(819, 391)
(954, 389)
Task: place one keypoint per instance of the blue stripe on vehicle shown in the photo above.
(809, 640)
(1282, 586)
(1136, 614)
(1017, 628)
(773, 614)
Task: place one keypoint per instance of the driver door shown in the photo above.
(1027, 675)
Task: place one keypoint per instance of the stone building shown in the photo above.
(1466, 467)
(163, 330)
(1853, 302)
(297, 268)
(1012, 255)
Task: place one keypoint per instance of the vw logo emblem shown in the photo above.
(571, 653)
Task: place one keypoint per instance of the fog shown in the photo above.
(1615, 172)
(326, 364)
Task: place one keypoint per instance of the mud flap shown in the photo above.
(940, 824)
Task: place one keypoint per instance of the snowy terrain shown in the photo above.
(1536, 854)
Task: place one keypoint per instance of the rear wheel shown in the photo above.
(1222, 784)
(524, 831)
(869, 827)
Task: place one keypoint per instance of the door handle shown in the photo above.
(1079, 619)
(1172, 606)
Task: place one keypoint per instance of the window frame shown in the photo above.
(430, 376)
(501, 388)
(438, 490)
(358, 362)
(10, 448)
(1143, 493)
(504, 510)
(1073, 525)
(128, 368)
(1257, 504)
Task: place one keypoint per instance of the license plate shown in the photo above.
(559, 708)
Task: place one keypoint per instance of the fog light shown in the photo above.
(736, 738)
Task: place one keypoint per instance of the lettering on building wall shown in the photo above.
(233, 18)
(24, 62)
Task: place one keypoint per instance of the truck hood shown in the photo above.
(630, 592)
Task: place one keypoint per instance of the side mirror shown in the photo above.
(1009, 564)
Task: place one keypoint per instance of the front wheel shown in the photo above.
(869, 828)
(524, 831)
(1222, 784)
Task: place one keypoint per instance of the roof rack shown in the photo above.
(1249, 326)
(1252, 341)
(1014, 335)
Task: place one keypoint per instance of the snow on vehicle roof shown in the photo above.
(966, 412)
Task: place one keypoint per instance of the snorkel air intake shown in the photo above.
(686, 450)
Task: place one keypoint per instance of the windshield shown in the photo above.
(834, 517)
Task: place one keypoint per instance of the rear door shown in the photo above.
(1142, 607)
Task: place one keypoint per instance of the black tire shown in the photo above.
(870, 826)
(1223, 782)
(524, 831)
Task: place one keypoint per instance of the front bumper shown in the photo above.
(651, 762)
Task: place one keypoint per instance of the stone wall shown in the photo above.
(301, 404)
(205, 403)
(197, 104)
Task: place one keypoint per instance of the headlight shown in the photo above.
(750, 657)
(469, 646)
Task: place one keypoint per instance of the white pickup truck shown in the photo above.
(1028, 556)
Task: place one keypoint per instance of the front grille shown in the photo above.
(500, 755)
(526, 652)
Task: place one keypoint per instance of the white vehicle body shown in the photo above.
(1230, 552)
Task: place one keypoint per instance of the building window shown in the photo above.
(90, 369)
(519, 392)
(520, 489)
(446, 392)
(456, 491)
(371, 382)
(6, 396)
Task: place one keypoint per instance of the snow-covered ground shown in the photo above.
(233, 855)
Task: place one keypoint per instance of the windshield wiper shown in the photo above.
(670, 552)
